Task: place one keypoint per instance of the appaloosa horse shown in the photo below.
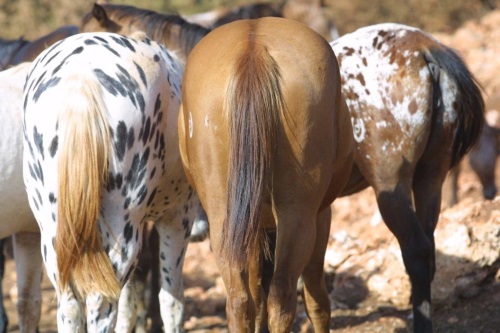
(16, 51)
(101, 157)
(416, 111)
(266, 141)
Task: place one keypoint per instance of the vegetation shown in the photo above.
(33, 18)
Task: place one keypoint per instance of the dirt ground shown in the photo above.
(355, 308)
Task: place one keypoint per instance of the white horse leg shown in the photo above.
(174, 237)
(101, 314)
(29, 276)
(127, 308)
(69, 314)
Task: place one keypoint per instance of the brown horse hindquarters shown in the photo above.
(248, 88)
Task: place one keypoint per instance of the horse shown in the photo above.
(14, 52)
(482, 160)
(416, 110)
(101, 157)
(315, 14)
(171, 30)
(8, 48)
(266, 142)
(15, 213)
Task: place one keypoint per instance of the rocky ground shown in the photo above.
(368, 286)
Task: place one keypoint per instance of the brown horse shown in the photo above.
(266, 141)
(416, 111)
(170, 30)
(14, 52)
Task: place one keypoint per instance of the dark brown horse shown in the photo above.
(266, 141)
(14, 52)
(170, 30)
(416, 111)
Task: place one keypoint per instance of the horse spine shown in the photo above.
(469, 99)
(83, 166)
(254, 104)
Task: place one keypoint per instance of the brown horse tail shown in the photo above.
(254, 104)
(83, 163)
(469, 102)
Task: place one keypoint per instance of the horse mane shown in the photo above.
(156, 25)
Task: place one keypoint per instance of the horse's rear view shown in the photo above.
(267, 143)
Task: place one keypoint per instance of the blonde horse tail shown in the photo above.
(254, 104)
(83, 166)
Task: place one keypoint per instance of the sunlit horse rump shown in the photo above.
(416, 111)
(101, 156)
(267, 142)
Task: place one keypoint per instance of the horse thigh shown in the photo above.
(29, 277)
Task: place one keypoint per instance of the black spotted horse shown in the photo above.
(101, 157)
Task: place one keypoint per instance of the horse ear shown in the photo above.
(100, 13)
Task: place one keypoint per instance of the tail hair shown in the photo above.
(470, 101)
(83, 167)
(254, 104)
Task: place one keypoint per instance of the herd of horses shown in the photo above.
(260, 123)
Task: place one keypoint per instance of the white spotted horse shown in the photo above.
(416, 111)
(101, 157)
(266, 141)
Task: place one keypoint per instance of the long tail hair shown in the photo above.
(83, 165)
(469, 100)
(253, 106)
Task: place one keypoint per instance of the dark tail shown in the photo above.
(254, 103)
(469, 101)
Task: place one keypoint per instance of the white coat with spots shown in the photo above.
(100, 116)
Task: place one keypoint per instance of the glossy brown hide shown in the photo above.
(290, 126)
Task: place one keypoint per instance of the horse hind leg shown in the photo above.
(316, 297)
(174, 237)
(294, 247)
(416, 247)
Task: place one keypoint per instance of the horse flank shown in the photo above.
(254, 104)
(470, 102)
(83, 164)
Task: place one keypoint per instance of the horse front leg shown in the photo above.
(28, 259)
(416, 247)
